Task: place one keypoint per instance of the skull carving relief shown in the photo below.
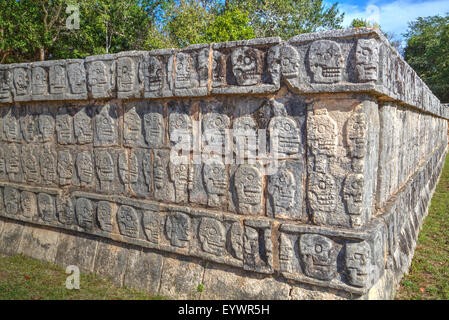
(104, 215)
(46, 127)
(154, 126)
(246, 66)
(248, 186)
(57, 79)
(245, 139)
(77, 78)
(39, 81)
(180, 125)
(125, 73)
(21, 81)
(106, 126)
(185, 75)
(30, 167)
(5, 84)
(212, 235)
(322, 195)
(11, 127)
(132, 127)
(98, 77)
(84, 168)
(237, 240)
(214, 126)
(318, 256)
(215, 179)
(151, 225)
(179, 174)
(47, 209)
(356, 127)
(48, 164)
(285, 137)
(218, 69)
(105, 169)
(178, 229)
(83, 127)
(286, 253)
(353, 193)
(84, 213)
(11, 198)
(326, 61)
(155, 74)
(322, 133)
(28, 203)
(281, 188)
(65, 167)
(127, 221)
(367, 59)
(358, 262)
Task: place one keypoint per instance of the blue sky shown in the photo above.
(392, 15)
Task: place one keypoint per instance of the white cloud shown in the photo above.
(394, 16)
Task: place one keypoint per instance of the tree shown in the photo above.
(232, 24)
(427, 52)
(287, 18)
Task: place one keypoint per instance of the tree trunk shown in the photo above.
(42, 54)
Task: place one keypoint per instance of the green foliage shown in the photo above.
(232, 24)
(33, 30)
(287, 18)
(200, 288)
(427, 52)
(363, 23)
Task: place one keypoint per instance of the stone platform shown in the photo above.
(261, 169)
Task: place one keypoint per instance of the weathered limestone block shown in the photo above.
(261, 169)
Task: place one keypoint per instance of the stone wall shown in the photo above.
(304, 168)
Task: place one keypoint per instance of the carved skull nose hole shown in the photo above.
(318, 248)
(322, 185)
(247, 60)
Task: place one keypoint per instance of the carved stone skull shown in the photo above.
(178, 229)
(248, 185)
(125, 73)
(154, 128)
(84, 167)
(11, 198)
(77, 78)
(212, 235)
(322, 133)
(155, 74)
(353, 193)
(356, 134)
(28, 202)
(281, 187)
(358, 261)
(39, 81)
(46, 205)
(216, 181)
(367, 59)
(246, 66)
(127, 221)
(21, 81)
(285, 137)
(84, 213)
(326, 61)
(318, 256)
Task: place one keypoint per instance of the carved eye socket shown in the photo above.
(216, 170)
(250, 177)
(318, 248)
(247, 60)
(366, 52)
(218, 122)
(285, 62)
(287, 127)
(322, 185)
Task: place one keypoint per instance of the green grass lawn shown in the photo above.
(25, 278)
(428, 277)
